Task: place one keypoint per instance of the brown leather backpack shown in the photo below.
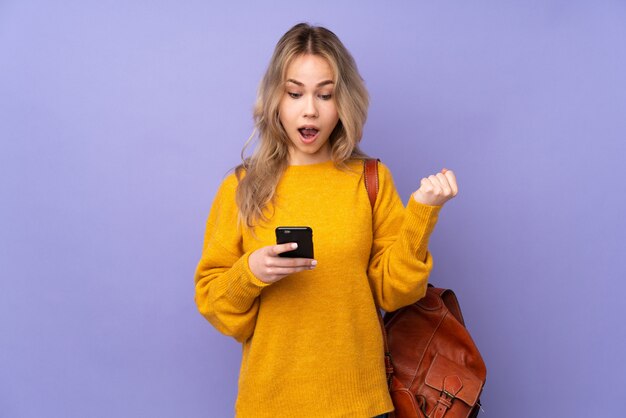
(433, 366)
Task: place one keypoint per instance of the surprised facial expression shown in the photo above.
(308, 111)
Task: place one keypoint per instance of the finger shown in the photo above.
(445, 185)
(287, 262)
(274, 250)
(426, 185)
(437, 189)
(452, 181)
(286, 271)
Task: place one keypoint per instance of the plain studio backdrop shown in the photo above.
(119, 119)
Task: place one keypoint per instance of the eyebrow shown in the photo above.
(320, 84)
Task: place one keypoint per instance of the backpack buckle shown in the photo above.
(448, 394)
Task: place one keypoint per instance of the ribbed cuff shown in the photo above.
(241, 286)
(419, 223)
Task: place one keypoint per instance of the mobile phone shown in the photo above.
(302, 235)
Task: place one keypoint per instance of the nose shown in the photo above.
(310, 108)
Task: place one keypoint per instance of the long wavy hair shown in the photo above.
(270, 158)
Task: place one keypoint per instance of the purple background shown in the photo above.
(118, 120)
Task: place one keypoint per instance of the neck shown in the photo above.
(321, 156)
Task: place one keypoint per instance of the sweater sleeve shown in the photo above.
(400, 262)
(226, 291)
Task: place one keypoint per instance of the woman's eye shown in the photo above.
(326, 96)
(293, 95)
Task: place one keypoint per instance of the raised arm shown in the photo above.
(400, 262)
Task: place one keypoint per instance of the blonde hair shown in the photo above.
(269, 160)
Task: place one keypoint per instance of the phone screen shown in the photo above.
(303, 235)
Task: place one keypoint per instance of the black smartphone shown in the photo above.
(303, 235)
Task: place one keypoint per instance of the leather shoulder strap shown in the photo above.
(370, 169)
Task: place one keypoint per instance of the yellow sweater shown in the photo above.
(312, 345)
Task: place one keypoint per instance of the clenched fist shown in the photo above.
(435, 190)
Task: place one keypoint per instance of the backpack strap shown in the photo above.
(370, 168)
(370, 171)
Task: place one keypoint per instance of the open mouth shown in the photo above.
(308, 135)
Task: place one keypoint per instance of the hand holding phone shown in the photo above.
(275, 262)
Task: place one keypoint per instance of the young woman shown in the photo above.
(312, 344)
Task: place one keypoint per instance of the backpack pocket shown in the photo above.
(452, 381)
